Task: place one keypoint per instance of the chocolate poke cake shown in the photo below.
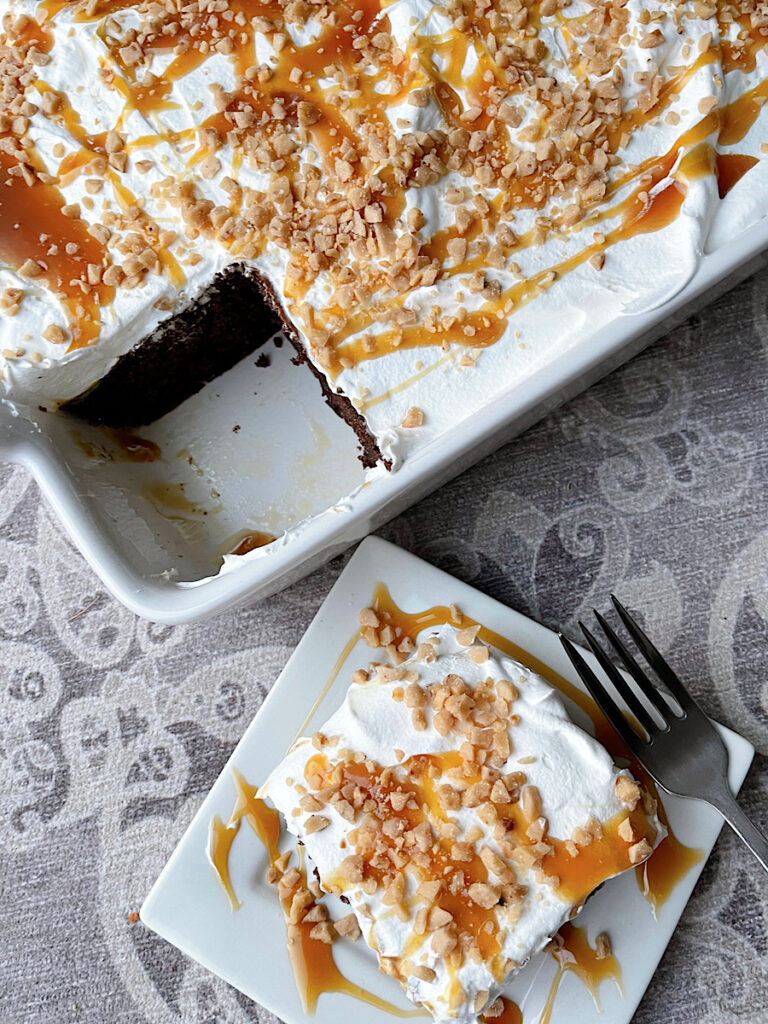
(431, 200)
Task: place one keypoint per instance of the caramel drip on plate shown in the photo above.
(349, 646)
(119, 446)
(510, 1013)
(671, 860)
(313, 964)
(572, 951)
(220, 840)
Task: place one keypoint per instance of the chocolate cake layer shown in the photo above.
(235, 315)
(225, 324)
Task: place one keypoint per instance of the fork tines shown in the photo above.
(655, 700)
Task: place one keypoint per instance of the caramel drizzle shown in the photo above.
(572, 952)
(335, 47)
(415, 778)
(313, 964)
(671, 860)
(33, 226)
(133, 448)
(510, 1013)
(731, 168)
(740, 55)
(575, 877)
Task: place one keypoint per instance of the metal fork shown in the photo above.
(675, 741)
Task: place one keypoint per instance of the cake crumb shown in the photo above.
(348, 927)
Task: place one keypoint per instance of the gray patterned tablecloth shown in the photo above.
(653, 484)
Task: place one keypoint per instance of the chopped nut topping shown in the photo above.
(531, 802)
(348, 927)
(603, 948)
(481, 998)
(627, 791)
(415, 697)
(413, 418)
(438, 918)
(494, 1010)
(316, 823)
(55, 334)
(419, 720)
(640, 851)
(484, 895)
(444, 942)
(368, 617)
(423, 973)
(324, 931)
(30, 268)
(467, 637)
(625, 831)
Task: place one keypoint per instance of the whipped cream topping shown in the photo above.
(443, 199)
(564, 792)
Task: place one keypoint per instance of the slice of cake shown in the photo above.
(464, 817)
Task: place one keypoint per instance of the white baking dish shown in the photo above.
(157, 546)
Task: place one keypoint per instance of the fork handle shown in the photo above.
(749, 834)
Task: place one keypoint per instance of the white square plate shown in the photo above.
(188, 907)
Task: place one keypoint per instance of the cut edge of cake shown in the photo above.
(239, 308)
